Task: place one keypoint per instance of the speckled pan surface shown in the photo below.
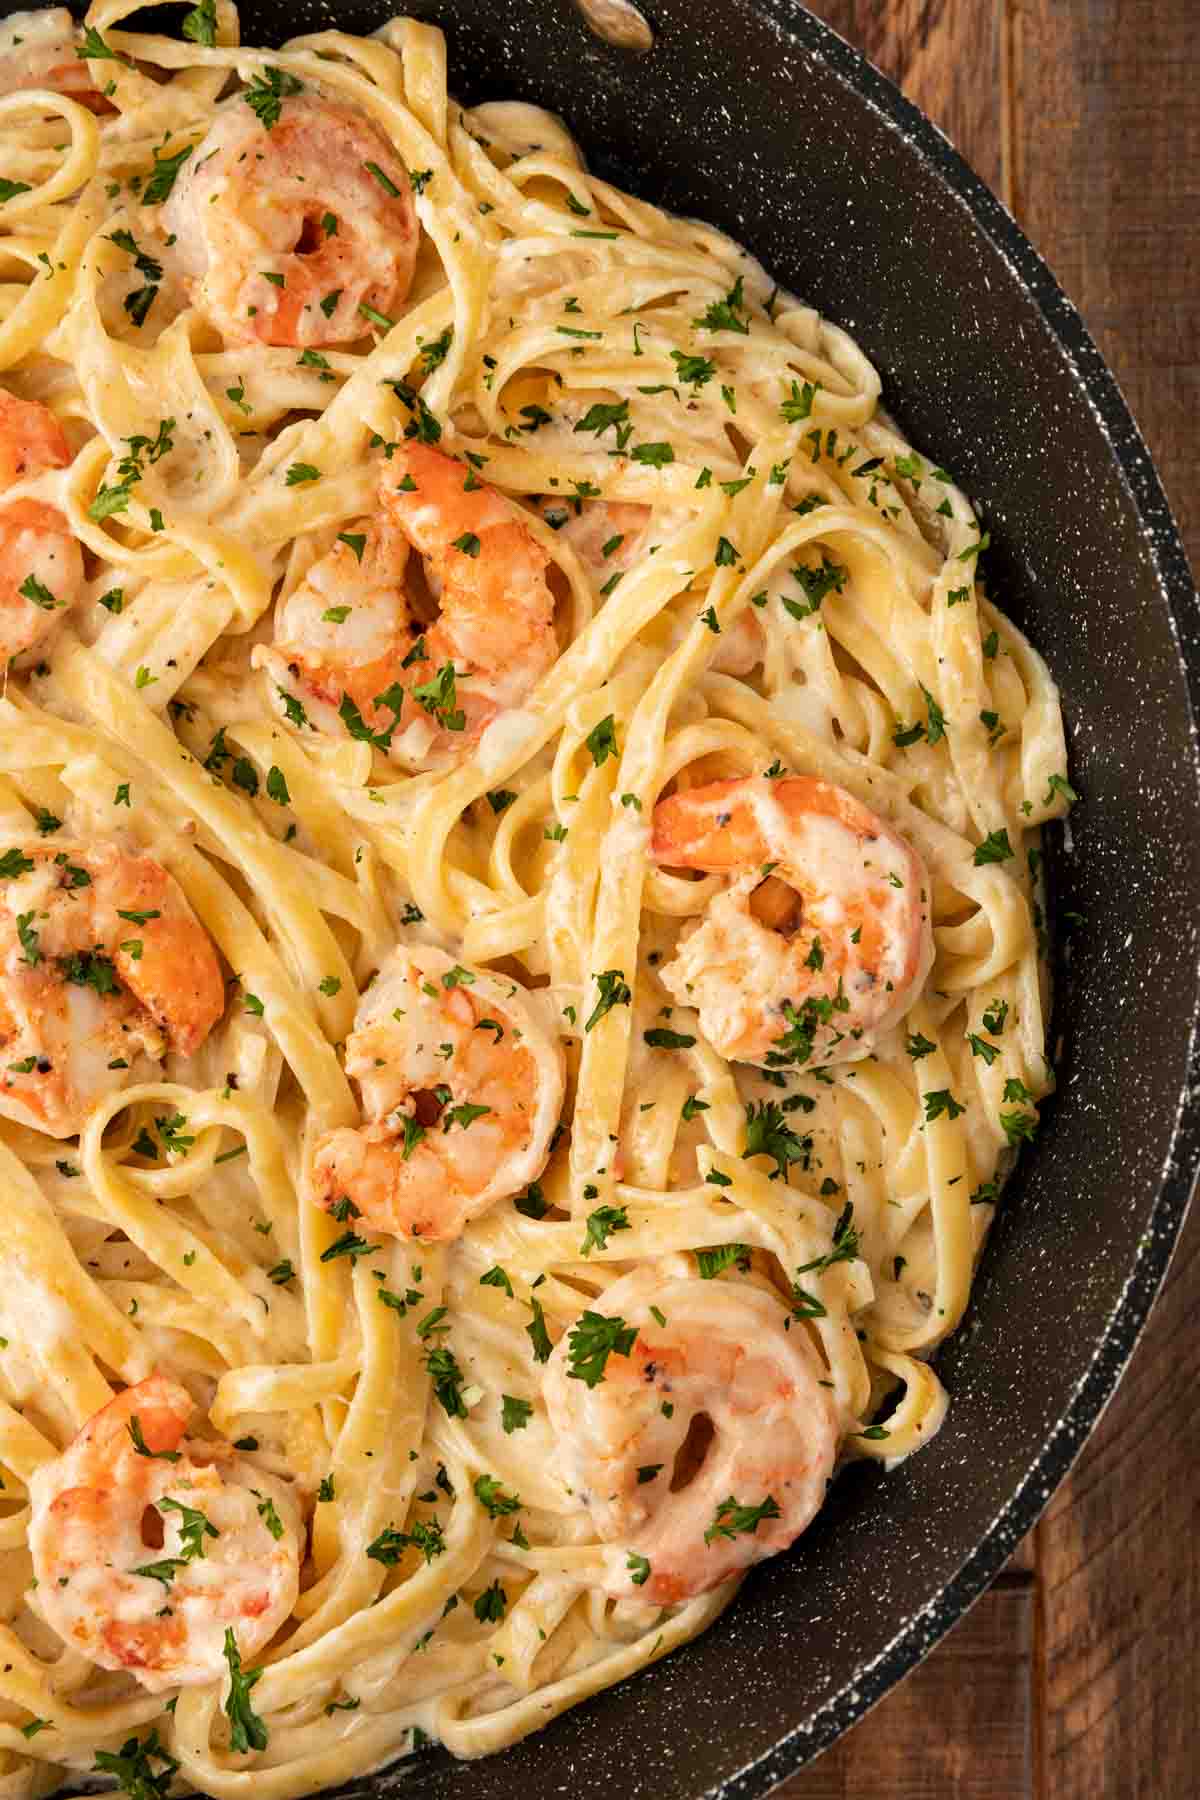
(752, 115)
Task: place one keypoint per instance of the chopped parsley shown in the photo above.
(601, 1225)
(425, 1536)
(32, 589)
(246, 1730)
(817, 584)
(200, 25)
(656, 456)
(89, 968)
(515, 1414)
(659, 1038)
(694, 371)
(492, 1497)
(935, 728)
(732, 1518)
(592, 1340)
(712, 1263)
(538, 1336)
(799, 403)
(134, 1428)
(601, 417)
(612, 990)
(939, 1102)
(94, 46)
(194, 1527)
(995, 848)
(491, 1605)
(601, 741)
(131, 1765)
(726, 314)
(1018, 1127)
(439, 698)
(769, 1134)
(995, 1016)
(435, 352)
(1058, 784)
(266, 93)
(349, 1244)
(844, 1245)
(447, 1379)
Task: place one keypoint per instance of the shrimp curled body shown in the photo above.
(287, 233)
(102, 960)
(105, 1512)
(822, 940)
(350, 647)
(462, 1086)
(41, 565)
(721, 1353)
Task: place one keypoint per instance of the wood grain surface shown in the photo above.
(1077, 1677)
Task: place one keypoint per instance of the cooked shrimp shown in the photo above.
(713, 1369)
(461, 1086)
(609, 536)
(821, 941)
(101, 960)
(350, 646)
(148, 1547)
(288, 234)
(38, 50)
(41, 565)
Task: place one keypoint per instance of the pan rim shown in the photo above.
(1168, 558)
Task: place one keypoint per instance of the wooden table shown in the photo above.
(1077, 1677)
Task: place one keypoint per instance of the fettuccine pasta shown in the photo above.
(520, 912)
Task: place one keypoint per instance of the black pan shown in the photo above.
(752, 115)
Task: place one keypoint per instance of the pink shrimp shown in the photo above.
(294, 234)
(697, 1351)
(461, 1085)
(41, 565)
(101, 958)
(350, 647)
(150, 1549)
(822, 940)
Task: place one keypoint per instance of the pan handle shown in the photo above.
(617, 22)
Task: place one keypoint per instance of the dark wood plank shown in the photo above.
(957, 1729)
(1024, 1557)
(1105, 133)
(1103, 137)
(946, 55)
(1119, 1569)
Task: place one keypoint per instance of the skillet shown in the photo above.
(753, 116)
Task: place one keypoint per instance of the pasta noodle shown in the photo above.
(745, 576)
